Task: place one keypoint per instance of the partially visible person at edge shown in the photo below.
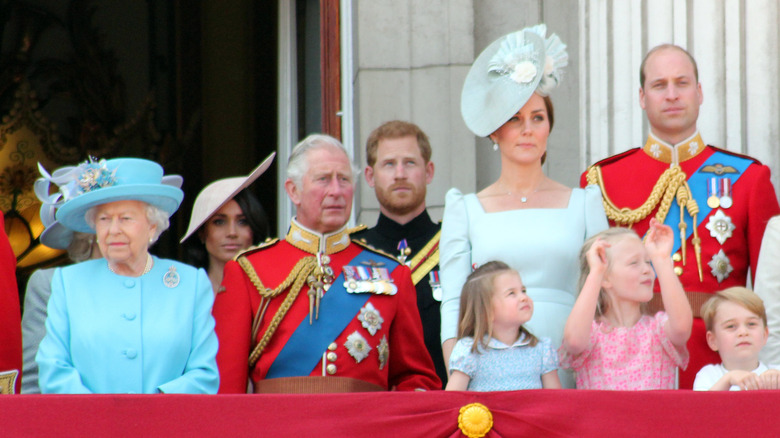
(767, 287)
(317, 311)
(129, 323)
(226, 219)
(526, 219)
(80, 247)
(727, 197)
(10, 319)
(399, 168)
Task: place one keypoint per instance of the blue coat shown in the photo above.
(106, 333)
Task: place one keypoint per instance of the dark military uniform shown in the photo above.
(422, 237)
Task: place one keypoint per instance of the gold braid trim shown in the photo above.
(294, 281)
(662, 195)
(426, 267)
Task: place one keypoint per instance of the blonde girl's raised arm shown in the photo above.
(659, 242)
(576, 332)
(458, 381)
(551, 380)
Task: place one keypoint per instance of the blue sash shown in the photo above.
(338, 308)
(698, 184)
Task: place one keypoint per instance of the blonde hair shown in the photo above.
(476, 311)
(610, 235)
(738, 295)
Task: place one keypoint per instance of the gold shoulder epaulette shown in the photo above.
(356, 229)
(364, 244)
(268, 242)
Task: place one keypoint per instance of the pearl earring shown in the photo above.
(495, 146)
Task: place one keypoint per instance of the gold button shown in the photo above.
(677, 257)
(678, 270)
(332, 346)
(332, 356)
(331, 369)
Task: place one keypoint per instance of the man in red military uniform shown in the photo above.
(10, 319)
(317, 312)
(718, 201)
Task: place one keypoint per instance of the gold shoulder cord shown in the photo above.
(422, 265)
(296, 279)
(672, 183)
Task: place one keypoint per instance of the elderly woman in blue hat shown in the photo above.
(131, 322)
(525, 219)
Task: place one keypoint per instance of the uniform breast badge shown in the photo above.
(433, 279)
(368, 279)
(403, 251)
(721, 266)
(384, 352)
(720, 226)
(370, 318)
(171, 278)
(357, 346)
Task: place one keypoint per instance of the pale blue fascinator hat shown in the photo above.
(507, 73)
(99, 182)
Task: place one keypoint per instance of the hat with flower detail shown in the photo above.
(507, 73)
(95, 183)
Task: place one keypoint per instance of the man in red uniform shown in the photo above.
(10, 319)
(718, 201)
(317, 312)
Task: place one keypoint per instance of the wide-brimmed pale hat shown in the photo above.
(121, 179)
(218, 193)
(507, 73)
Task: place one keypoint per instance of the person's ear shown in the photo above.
(369, 174)
(712, 341)
(292, 192)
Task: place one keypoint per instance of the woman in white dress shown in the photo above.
(525, 219)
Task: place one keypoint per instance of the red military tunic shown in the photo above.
(628, 180)
(10, 319)
(406, 364)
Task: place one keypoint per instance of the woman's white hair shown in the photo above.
(154, 215)
(298, 165)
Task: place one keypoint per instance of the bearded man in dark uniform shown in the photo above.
(399, 168)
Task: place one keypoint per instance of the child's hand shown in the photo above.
(746, 380)
(597, 256)
(659, 240)
(770, 379)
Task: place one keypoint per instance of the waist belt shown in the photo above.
(695, 299)
(314, 385)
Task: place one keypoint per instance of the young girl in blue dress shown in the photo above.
(494, 351)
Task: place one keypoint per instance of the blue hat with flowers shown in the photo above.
(121, 179)
(507, 73)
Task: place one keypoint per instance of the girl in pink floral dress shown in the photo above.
(623, 348)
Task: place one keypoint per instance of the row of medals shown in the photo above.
(720, 225)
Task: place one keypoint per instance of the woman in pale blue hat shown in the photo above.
(525, 219)
(131, 322)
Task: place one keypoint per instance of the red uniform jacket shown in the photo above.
(10, 318)
(408, 365)
(628, 179)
